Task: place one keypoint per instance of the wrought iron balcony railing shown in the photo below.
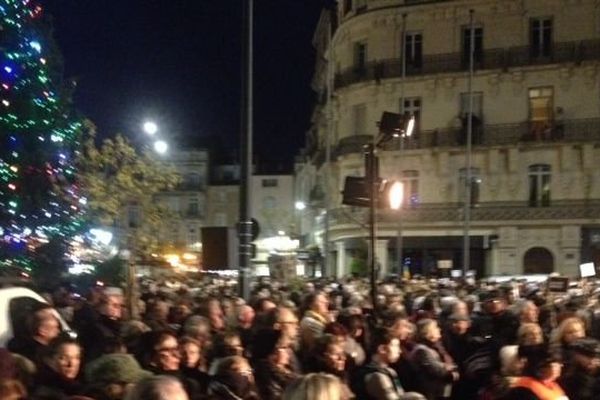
(504, 59)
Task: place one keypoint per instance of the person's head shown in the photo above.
(540, 363)
(401, 327)
(111, 306)
(355, 325)
(159, 387)
(111, 375)
(385, 346)
(460, 308)
(44, 325)
(529, 333)
(493, 302)
(64, 357)
(191, 352)
(271, 345)
(568, 331)
(428, 330)
(338, 330)
(318, 386)
(197, 327)
(318, 303)
(329, 354)
(12, 389)
(235, 372)
(287, 322)
(245, 316)
(228, 344)
(529, 312)
(158, 310)
(586, 355)
(459, 323)
(164, 351)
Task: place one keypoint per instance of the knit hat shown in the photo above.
(115, 368)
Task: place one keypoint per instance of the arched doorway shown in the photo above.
(538, 260)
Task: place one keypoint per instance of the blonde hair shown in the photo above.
(317, 386)
(527, 328)
(557, 336)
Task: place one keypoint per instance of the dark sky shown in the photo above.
(179, 62)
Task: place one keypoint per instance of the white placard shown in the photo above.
(587, 270)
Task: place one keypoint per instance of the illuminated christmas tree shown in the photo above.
(39, 198)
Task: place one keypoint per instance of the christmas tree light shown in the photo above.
(39, 199)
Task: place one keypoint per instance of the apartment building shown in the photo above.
(535, 104)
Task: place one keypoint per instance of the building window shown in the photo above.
(192, 237)
(466, 46)
(193, 209)
(359, 119)
(360, 57)
(271, 182)
(133, 216)
(413, 49)
(192, 180)
(477, 123)
(411, 106)
(539, 185)
(410, 180)
(541, 102)
(475, 183)
(540, 37)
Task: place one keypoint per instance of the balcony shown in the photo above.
(503, 59)
(524, 133)
(429, 213)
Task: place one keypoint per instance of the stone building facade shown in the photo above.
(535, 132)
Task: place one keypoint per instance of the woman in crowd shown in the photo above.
(434, 367)
(225, 344)
(192, 361)
(538, 380)
(328, 356)
(233, 380)
(356, 340)
(316, 386)
(271, 362)
(59, 372)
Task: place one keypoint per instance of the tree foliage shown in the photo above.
(115, 177)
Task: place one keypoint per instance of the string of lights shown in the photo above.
(39, 137)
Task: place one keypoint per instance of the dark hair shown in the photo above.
(55, 345)
(335, 328)
(380, 337)
(537, 357)
(148, 341)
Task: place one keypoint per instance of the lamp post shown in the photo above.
(160, 147)
(373, 192)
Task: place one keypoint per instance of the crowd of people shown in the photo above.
(325, 340)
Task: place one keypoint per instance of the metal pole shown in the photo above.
(399, 240)
(327, 256)
(371, 173)
(468, 174)
(245, 224)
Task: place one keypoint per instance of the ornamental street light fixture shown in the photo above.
(161, 147)
(373, 192)
(150, 128)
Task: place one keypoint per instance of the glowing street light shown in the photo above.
(396, 193)
(161, 147)
(300, 205)
(150, 128)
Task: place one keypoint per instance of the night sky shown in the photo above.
(179, 63)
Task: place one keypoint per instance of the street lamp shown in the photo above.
(150, 128)
(161, 147)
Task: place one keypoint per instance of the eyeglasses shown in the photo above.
(169, 350)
